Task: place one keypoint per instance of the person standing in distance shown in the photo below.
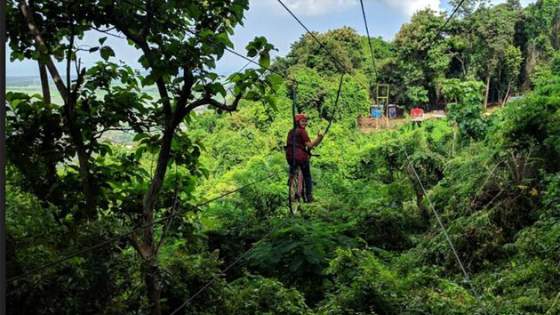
(298, 153)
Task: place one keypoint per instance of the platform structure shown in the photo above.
(382, 95)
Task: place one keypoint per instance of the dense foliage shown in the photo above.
(369, 244)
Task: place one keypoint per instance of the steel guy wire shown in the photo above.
(553, 304)
(442, 227)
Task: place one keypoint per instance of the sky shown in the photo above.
(268, 18)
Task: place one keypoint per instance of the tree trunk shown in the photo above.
(44, 83)
(506, 97)
(153, 285)
(48, 143)
(42, 47)
(151, 195)
(463, 67)
(87, 183)
(69, 103)
(148, 245)
(487, 92)
(87, 180)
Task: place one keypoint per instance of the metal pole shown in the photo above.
(2, 157)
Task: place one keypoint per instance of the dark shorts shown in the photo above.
(306, 172)
(301, 164)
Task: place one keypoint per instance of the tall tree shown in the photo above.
(179, 43)
(421, 54)
(466, 8)
(541, 33)
(343, 53)
(48, 38)
(495, 30)
(509, 70)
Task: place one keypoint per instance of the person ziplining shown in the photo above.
(298, 154)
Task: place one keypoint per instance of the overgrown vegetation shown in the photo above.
(370, 244)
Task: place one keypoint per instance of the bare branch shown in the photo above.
(140, 246)
(79, 81)
(42, 47)
(208, 100)
(184, 95)
(69, 57)
(108, 32)
(44, 82)
(78, 64)
(149, 17)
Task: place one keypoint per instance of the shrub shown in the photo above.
(258, 295)
(476, 239)
(297, 252)
(362, 285)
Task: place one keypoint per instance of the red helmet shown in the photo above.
(300, 117)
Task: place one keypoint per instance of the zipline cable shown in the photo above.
(245, 66)
(369, 38)
(188, 301)
(292, 177)
(342, 68)
(441, 29)
(126, 234)
(336, 60)
(335, 104)
(249, 61)
(442, 227)
(436, 214)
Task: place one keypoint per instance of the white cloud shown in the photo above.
(318, 7)
(309, 7)
(409, 7)
(523, 2)
(322, 7)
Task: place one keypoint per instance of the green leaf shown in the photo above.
(275, 80)
(140, 136)
(251, 51)
(264, 60)
(107, 52)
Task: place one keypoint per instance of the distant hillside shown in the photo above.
(18, 81)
